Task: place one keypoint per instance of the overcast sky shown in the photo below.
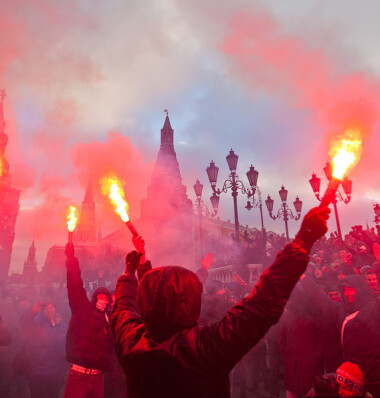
(88, 82)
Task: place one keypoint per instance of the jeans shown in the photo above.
(80, 385)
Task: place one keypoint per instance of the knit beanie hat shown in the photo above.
(349, 375)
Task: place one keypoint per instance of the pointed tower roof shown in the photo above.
(89, 196)
(166, 181)
(167, 134)
(167, 126)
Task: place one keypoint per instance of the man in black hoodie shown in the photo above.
(89, 341)
(360, 332)
(163, 351)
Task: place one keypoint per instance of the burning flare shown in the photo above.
(346, 153)
(113, 188)
(71, 219)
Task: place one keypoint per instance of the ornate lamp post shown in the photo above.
(315, 183)
(376, 209)
(232, 183)
(201, 208)
(284, 210)
(252, 176)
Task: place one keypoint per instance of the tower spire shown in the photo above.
(89, 196)
(167, 143)
(30, 264)
(86, 228)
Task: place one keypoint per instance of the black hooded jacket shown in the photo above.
(360, 333)
(163, 351)
(89, 340)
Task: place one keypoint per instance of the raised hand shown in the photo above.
(132, 261)
(314, 226)
(207, 261)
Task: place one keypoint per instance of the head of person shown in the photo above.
(340, 275)
(169, 300)
(49, 311)
(350, 380)
(101, 298)
(342, 254)
(318, 272)
(333, 292)
(355, 293)
(371, 279)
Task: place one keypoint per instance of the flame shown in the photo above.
(71, 219)
(113, 188)
(3, 166)
(346, 153)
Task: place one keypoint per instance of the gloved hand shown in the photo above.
(313, 226)
(132, 261)
(69, 250)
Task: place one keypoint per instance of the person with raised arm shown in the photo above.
(162, 349)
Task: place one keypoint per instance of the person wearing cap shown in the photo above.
(162, 349)
(350, 380)
(89, 341)
(346, 381)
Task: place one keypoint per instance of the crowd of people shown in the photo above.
(82, 338)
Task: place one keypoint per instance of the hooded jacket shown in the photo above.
(163, 351)
(89, 340)
(360, 333)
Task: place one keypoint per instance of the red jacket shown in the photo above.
(196, 361)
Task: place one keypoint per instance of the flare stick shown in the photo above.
(329, 195)
(70, 236)
(131, 228)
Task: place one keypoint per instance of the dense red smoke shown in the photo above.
(273, 60)
(115, 156)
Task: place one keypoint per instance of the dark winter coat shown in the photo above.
(330, 315)
(300, 345)
(360, 333)
(45, 344)
(89, 341)
(195, 361)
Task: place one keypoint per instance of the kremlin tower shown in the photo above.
(9, 201)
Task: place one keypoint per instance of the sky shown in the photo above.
(87, 82)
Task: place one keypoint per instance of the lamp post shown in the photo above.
(201, 207)
(232, 183)
(252, 176)
(315, 183)
(376, 209)
(284, 210)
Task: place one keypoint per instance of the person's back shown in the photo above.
(165, 370)
(163, 351)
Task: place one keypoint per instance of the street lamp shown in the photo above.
(201, 207)
(315, 183)
(232, 183)
(284, 210)
(376, 209)
(252, 176)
